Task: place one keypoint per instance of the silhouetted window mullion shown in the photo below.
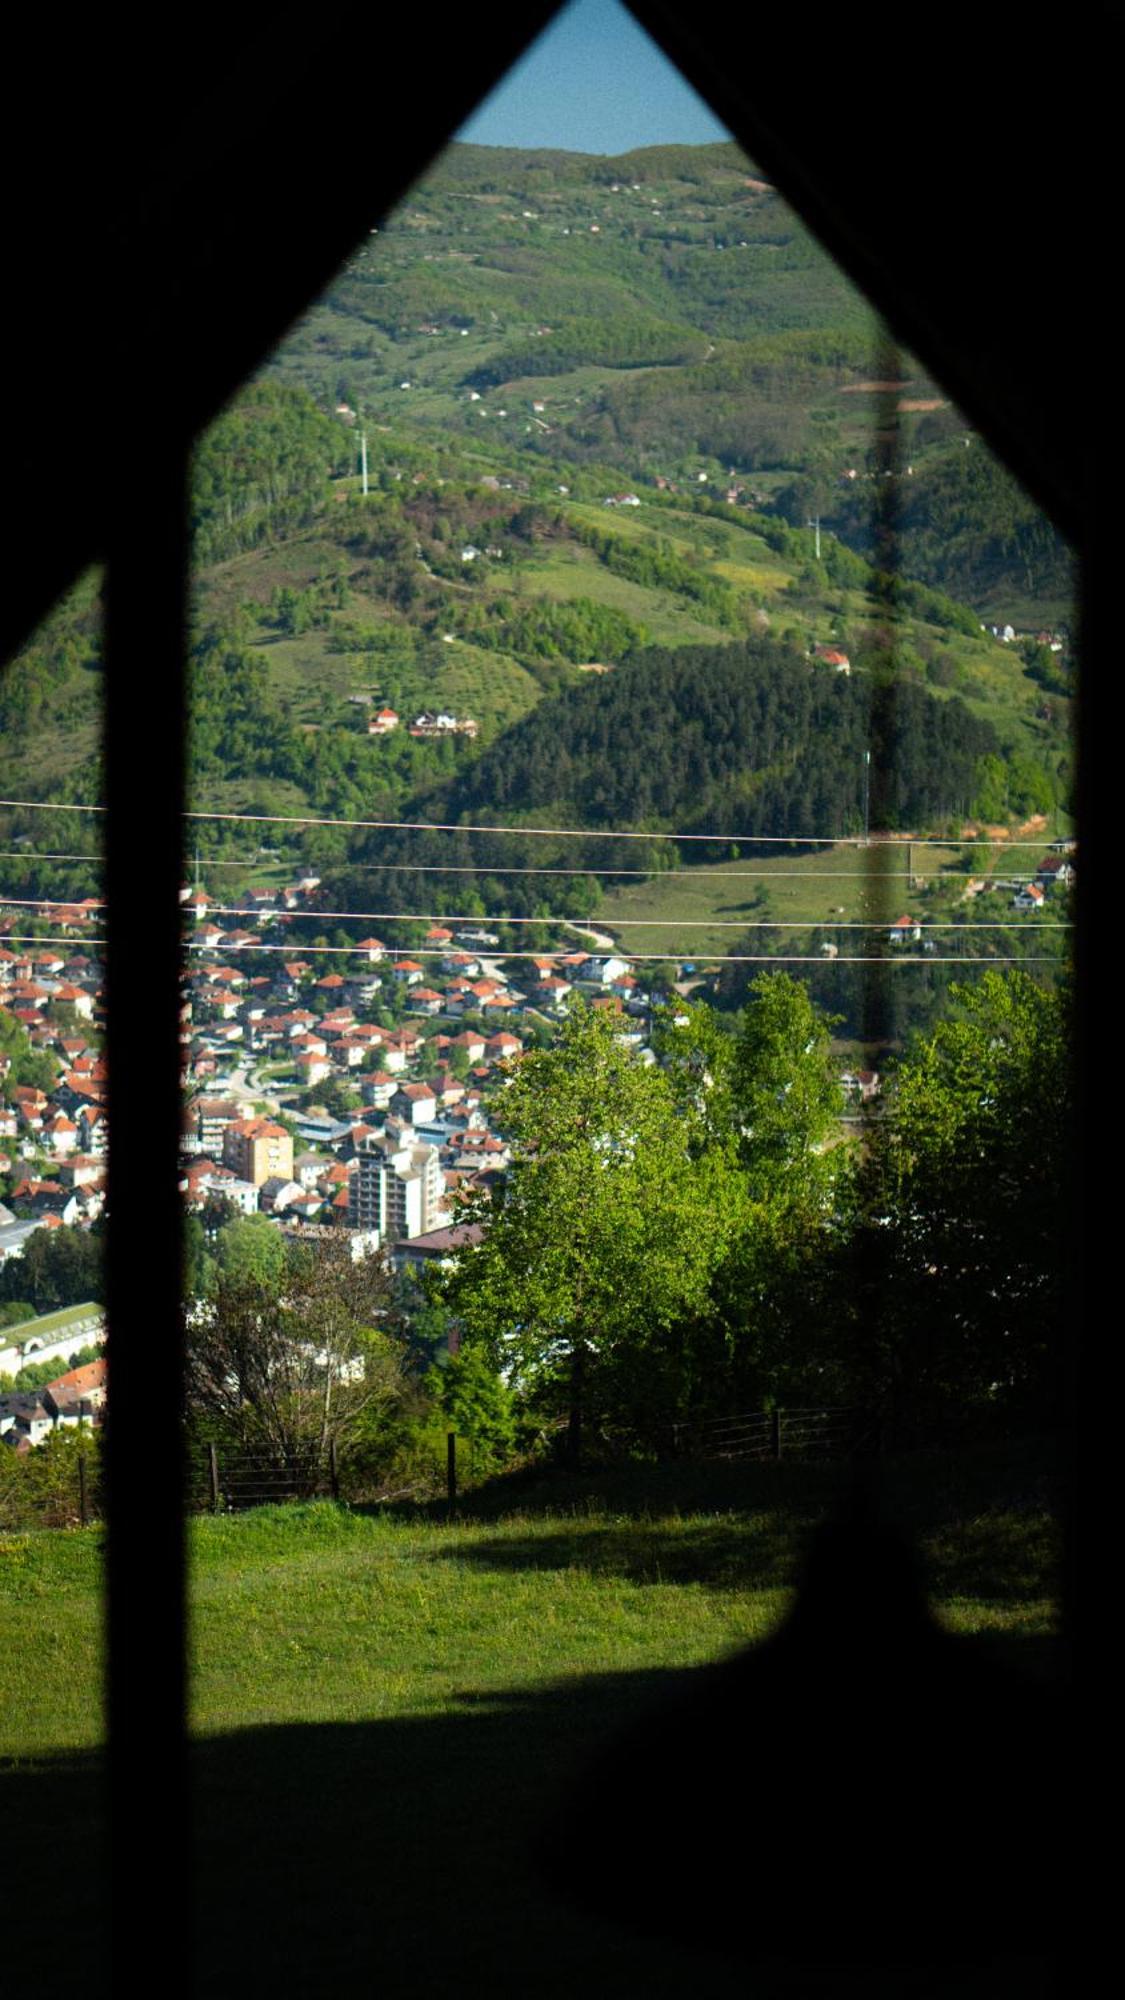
(145, 717)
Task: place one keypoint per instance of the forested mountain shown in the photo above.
(749, 734)
(260, 471)
(602, 405)
(962, 523)
(664, 312)
(732, 740)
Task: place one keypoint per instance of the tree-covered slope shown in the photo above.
(530, 334)
(262, 468)
(962, 523)
(692, 737)
(665, 312)
(732, 741)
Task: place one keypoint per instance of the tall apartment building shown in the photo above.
(400, 1193)
(257, 1151)
(213, 1117)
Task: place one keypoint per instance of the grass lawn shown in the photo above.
(390, 1710)
(627, 524)
(843, 884)
(36, 765)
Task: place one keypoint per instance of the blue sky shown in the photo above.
(594, 82)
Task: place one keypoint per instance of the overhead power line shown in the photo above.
(574, 923)
(671, 957)
(642, 957)
(545, 832)
(47, 854)
(703, 871)
(636, 923)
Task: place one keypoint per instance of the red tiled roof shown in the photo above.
(91, 1375)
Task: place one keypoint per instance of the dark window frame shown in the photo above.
(145, 551)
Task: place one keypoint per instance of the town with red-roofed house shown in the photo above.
(355, 1090)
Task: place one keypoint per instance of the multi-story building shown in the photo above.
(401, 1193)
(213, 1116)
(258, 1151)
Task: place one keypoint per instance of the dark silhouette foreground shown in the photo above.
(865, 1789)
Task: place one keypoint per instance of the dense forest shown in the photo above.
(689, 737)
(261, 469)
(961, 522)
(734, 739)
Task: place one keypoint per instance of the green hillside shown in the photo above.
(672, 316)
(450, 587)
(695, 354)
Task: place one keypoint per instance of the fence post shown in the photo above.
(213, 1475)
(83, 1499)
(451, 1467)
(777, 1433)
(333, 1471)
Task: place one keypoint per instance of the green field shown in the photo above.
(388, 1710)
(820, 888)
(641, 1569)
(571, 570)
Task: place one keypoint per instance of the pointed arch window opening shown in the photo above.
(147, 607)
(887, 370)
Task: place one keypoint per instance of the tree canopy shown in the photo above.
(787, 1096)
(605, 1230)
(58, 1267)
(291, 1367)
(975, 1159)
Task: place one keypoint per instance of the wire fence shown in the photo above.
(224, 1480)
(820, 1432)
(59, 1484)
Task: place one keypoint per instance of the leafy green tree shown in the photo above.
(34, 1374)
(786, 1094)
(35, 1068)
(291, 1366)
(59, 1267)
(764, 1101)
(340, 1099)
(605, 1231)
(216, 1212)
(474, 1400)
(965, 1206)
(41, 1488)
(697, 1049)
(198, 1262)
(249, 1248)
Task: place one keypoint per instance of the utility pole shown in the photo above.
(815, 524)
(363, 459)
(866, 796)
